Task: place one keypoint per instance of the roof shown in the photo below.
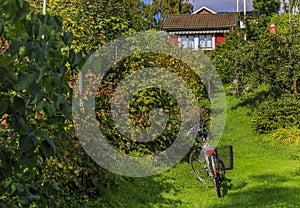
(176, 22)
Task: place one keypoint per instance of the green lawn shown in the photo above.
(264, 175)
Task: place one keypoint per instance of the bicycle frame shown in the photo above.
(210, 160)
(213, 164)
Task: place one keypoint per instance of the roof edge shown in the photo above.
(206, 8)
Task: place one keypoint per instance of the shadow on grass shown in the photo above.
(254, 99)
(141, 192)
(268, 193)
(263, 196)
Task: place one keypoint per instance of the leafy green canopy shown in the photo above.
(267, 7)
(267, 58)
(94, 23)
(35, 110)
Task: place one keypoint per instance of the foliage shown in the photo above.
(281, 23)
(41, 163)
(158, 9)
(267, 7)
(277, 114)
(91, 21)
(224, 57)
(145, 101)
(270, 59)
(286, 135)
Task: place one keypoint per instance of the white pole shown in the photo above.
(244, 8)
(44, 7)
(237, 5)
(245, 35)
(44, 12)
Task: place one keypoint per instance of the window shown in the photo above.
(187, 41)
(196, 42)
(206, 41)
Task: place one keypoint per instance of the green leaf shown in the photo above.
(3, 106)
(59, 99)
(25, 79)
(41, 72)
(19, 105)
(51, 143)
(47, 146)
(34, 197)
(21, 13)
(46, 149)
(43, 32)
(23, 200)
(12, 189)
(6, 63)
(68, 38)
(35, 88)
(26, 143)
(20, 3)
(55, 22)
(15, 46)
(74, 58)
(28, 28)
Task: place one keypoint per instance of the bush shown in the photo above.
(274, 114)
(289, 135)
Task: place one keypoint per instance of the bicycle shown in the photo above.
(208, 162)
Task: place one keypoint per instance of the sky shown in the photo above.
(223, 5)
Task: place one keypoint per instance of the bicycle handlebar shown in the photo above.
(200, 129)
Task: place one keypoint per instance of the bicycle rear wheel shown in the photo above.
(198, 165)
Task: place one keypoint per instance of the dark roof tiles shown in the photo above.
(200, 21)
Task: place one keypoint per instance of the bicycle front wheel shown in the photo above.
(198, 165)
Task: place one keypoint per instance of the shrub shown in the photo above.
(289, 135)
(274, 114)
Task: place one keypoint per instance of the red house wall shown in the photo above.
(174, 40)
(219, 38)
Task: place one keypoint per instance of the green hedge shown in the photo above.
(280, 113)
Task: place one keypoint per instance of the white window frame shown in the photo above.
(205, 42)
(184, 41)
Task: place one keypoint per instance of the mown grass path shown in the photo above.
(264, 175)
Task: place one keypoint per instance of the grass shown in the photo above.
(264, 175)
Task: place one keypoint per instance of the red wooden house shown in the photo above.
(203, 29)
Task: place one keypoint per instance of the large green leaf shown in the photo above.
(74, 58)
(25, 79)
(68, 38)
(3, 106)
(21, 13)
(28, 28)
(6, 63)
(26, 143)
(19, 105)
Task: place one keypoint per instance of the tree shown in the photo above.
(94, 22)
(35, 114)
(158, 9)
(271, 59)
(267, 7)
